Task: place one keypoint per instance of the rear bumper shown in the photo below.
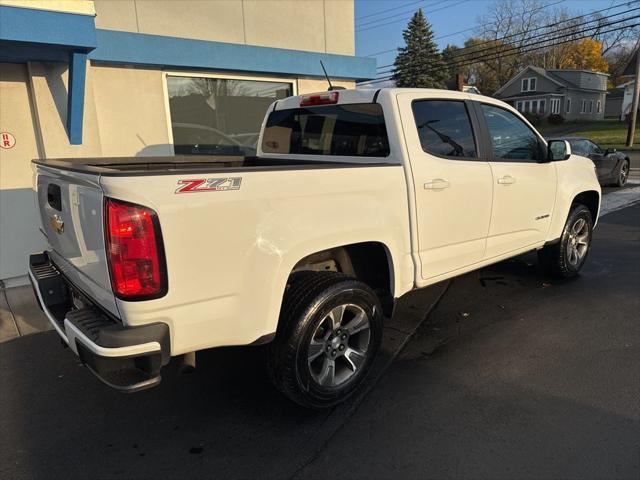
(128, 359)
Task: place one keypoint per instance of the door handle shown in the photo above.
(506, 180)
(437, 184)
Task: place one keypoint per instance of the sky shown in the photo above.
(446, 16)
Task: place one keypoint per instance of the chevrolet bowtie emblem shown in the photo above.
(57, 223)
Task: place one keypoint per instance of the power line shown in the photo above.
(500, 39)
(545, 44)
(458, 53)
(504, 54)
(593, 12)
(435, 38)
(407, 18)
(471, 28)
(387, 10)
(398, 14)
(500, 48)
(515, 49)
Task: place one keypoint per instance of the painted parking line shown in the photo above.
(617, 200)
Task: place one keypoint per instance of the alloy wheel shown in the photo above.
(339, 345)
(624, 173)
(578, 242)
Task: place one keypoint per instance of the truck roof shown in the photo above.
(369, 95)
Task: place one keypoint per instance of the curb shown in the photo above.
(619, 199)
(409, 315)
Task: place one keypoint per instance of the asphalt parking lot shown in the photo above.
(512, 375)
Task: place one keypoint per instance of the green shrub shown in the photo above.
(555, 119)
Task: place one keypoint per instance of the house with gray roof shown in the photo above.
(572, 94)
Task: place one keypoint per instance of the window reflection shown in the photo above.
(510, 137)
(213, 116)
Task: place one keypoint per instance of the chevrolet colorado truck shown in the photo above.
(354, 198)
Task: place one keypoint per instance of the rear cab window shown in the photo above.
(352, 130)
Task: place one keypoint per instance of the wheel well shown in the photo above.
(591, 200)
(369, 262)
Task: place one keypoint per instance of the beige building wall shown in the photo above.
(81, 7)
(49, 87)
(311, 25)
(18, 215)
(311, 85)
(131, 113)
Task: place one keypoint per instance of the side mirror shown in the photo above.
(558, 150)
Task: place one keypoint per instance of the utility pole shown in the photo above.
(634, 103)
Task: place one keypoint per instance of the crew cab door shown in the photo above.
(452, 184)
(524, 184)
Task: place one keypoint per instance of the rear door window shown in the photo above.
(444, 128)
(354, 130)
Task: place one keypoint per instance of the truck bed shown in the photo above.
(168, 165)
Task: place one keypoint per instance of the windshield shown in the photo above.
(356, 130)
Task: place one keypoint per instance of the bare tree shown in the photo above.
(508, 26)
(623, 34)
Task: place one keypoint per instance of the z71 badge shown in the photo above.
(209, 185)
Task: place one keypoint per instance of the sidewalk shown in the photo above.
(20, 314)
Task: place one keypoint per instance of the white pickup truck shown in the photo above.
(355, 197)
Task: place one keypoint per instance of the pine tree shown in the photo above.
(419, 64)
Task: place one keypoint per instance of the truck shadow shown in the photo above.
(225, 419)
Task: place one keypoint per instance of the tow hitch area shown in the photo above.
(128, 359)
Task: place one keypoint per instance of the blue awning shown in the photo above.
(30, 35)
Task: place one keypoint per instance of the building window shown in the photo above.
(217, 116)
(583, 106)
(598, 106)
(590, 106)
(519, 107)
(568, 105)
(526, 106)
(534, 106)
(541, 107)
(529, 84)
(555, 106)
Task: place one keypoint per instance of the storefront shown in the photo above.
(82, 78)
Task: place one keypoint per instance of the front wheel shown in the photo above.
(566, 258)
(329, 333)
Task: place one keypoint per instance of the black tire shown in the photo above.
(308, 301)
(623, 174)
(558, 259)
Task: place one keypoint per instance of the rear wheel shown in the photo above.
(566, 258)
(329, 333)
(623, 175)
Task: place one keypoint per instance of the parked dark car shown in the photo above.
(612, 166)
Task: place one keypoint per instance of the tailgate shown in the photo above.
(71, 212)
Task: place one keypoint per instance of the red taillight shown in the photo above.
(324, 98)
(134, 251)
